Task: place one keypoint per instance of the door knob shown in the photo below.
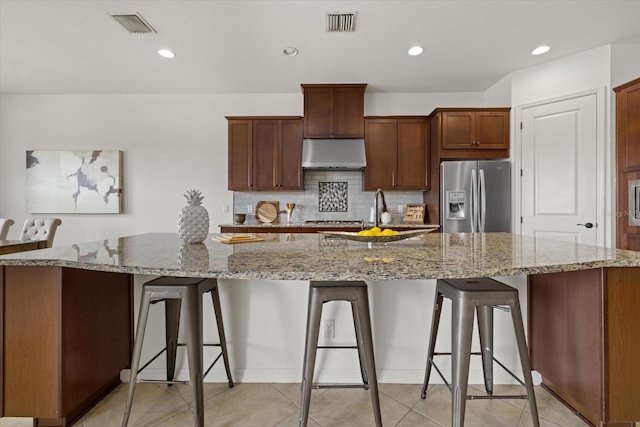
(588, 225)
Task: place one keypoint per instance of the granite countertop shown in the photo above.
(342, 226)
(314, 257)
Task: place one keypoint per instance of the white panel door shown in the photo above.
(559, 179)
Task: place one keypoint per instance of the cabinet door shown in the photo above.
(628, 127)
(492, 130)
(565, 336)
(458, 130)
(265, 154)
(318, 112)
(240, 155)
(289, 166)
(381, 149)
(412, 155)
(348, 112)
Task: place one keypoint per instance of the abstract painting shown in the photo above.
(74, 181)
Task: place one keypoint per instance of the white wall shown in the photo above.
(170, 143)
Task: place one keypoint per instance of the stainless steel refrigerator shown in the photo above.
(475, 196)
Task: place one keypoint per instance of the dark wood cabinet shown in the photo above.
(479, 133)
(265, 153)
(627, 161)
(462, 134)
(80, 327)
(397, 153)
(584, 341)
(333, 110)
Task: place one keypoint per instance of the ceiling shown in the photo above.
(75, 47)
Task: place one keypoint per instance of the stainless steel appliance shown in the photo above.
(475, 196)
(340, 154)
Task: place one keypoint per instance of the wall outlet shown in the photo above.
(225, 208)
(400, 208)
(329, 328)
(249, 208)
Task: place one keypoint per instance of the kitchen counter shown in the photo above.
(72, 306)
(314, 257)
(303, 227)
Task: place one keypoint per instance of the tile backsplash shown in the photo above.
(328, 195)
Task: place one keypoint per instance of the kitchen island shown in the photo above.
(586, 293)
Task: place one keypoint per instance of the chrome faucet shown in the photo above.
(376, 217)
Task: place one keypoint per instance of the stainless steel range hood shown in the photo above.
(342, 154)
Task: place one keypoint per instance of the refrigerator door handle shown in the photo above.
(474, 200)
(483, 202)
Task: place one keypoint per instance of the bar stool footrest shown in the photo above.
(320, 386)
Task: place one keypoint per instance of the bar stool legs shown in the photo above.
(356, 293)
(468, 297)
(176, 293)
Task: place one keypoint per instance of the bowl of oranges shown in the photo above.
(375, 235)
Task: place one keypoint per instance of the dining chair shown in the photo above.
(5, 224)
(40, 229)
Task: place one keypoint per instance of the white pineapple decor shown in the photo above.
(193, 222)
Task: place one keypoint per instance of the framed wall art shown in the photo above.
(74, 181)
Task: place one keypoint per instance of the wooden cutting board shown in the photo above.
(267, 212)
(237, 238)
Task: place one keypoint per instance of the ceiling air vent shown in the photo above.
(341, 21)
(134, 23)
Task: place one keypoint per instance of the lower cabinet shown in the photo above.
(584, 339)
(66, 335)
(397, 153)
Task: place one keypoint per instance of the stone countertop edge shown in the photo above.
(314, 257)
(305, 225)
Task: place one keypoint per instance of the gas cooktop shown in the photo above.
(335, 221)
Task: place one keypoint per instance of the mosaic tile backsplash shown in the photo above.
(332, 197)
(344, 198)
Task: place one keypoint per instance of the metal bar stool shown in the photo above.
(174, 291)
(356, 294)
(467, 297)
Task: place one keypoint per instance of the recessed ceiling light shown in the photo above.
(166, 53)
(290, 51)
(415, 50)
(540, 50)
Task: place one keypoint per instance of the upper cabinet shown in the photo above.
(397, 153)
(265, 153)
(333, 110)
(466, 133)
(628, 126)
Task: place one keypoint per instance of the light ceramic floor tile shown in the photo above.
(278, 405)
(437, 407)
(152, 403)
(414, 419)
(16, 422)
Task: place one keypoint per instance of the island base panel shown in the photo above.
(584, 339)
(79, 324)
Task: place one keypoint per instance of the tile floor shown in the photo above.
(258, 405)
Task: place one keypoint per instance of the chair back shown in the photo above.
(40, 229)
(5, 224)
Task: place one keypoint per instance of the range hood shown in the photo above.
(342, 154)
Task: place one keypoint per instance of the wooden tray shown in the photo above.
(237, 238)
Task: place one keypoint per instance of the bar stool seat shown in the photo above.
(481, 296)
(174, 291)
(355, 293)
